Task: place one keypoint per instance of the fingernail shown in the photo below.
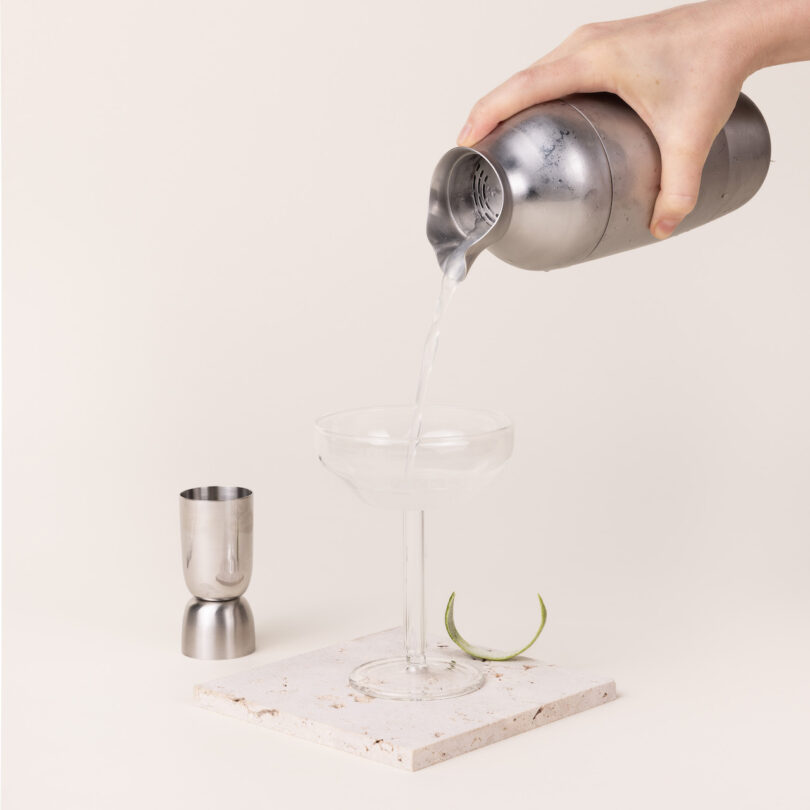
(464, 134)
(664, 228)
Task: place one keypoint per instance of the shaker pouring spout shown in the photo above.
(466, 209)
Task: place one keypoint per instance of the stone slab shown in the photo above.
(308, 696)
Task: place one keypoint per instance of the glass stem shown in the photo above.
(413, 530)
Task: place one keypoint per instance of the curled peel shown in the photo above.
(486, 653)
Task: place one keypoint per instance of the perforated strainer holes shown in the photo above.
(481, 192)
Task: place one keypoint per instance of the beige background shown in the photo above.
(214, 218)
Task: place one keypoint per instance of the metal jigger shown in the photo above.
(216, 526)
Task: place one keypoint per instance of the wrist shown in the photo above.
(769, 32)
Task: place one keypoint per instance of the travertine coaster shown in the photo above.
(308, 696)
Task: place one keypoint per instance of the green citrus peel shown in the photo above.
(487, 653)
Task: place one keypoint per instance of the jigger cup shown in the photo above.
(216, 528)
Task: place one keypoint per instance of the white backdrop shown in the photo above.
(214, 233)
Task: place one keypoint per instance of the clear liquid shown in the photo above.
(413, 523)
(449, 285)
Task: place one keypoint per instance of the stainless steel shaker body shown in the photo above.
(576, 179)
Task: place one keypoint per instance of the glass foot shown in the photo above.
(392, 678)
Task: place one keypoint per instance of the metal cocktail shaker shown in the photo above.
(576, 179)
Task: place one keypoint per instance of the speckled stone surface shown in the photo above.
(308, 696)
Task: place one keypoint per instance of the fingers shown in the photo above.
(541, 82)
(681, 170)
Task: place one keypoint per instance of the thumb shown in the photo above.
(681, 169)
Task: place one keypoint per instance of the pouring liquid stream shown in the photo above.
(449, 285)
(413, 522)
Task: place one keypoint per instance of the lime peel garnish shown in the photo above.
(486, 653)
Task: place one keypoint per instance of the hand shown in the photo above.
(681, 70)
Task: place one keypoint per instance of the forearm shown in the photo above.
(779, 30)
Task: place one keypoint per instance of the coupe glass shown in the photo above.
(458, 452)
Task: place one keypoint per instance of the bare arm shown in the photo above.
(681, 70)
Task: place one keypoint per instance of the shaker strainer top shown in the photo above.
(487, 198)
(475, 194)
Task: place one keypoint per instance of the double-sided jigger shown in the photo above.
(216, 526)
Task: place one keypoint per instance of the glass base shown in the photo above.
(393, 679)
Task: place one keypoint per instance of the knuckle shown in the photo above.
(588, 31)
(524, 78)
(479, 108)
(582, 31)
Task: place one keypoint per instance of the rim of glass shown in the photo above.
(216, 493)
(505, 424)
